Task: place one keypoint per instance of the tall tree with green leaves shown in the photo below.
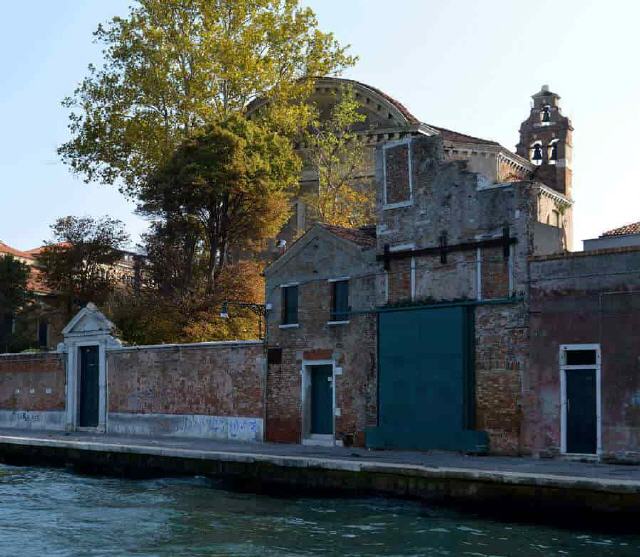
(232, 179)
(173, 257)
(77, 264)
(173, 66)
(345, 195)
(14, 295)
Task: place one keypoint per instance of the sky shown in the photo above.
(467, 65)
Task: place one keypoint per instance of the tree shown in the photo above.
(151, 316)
(173, 257)
(77, 265)
(14, 295)
(345, 195)
(173, 66)
(234, 181)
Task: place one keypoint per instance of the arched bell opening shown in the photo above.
(552, 151)
(535, 153)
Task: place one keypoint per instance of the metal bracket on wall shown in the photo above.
(505, 242)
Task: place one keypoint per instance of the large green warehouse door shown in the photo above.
(425, 381)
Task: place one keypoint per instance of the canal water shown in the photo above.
(52, 513)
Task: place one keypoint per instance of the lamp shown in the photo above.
(259, 309)
(224, 311)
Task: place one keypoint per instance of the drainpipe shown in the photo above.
(265, 344)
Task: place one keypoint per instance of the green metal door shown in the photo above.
(89, 386)
(322, 399)
(582, 422)
(425, 381)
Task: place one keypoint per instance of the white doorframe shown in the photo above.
(305, 417)
(73, 382)
(564, 348)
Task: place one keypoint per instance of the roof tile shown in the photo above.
(8, 250)
(365, 236)
(633, 228)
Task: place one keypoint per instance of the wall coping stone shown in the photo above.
(589, 253)
(30, 355)
(211, 344)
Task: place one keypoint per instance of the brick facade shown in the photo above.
(219, 380)
(32, 382)
(396, 166)
(586, 298)
(501, 358)
(450, 200)
(450, 206)
(312, 262)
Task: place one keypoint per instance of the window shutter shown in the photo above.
(340, 301)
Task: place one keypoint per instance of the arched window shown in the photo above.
(545, 114)
(552, 151)
(535, 153)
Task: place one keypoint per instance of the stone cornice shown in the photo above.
(555, 195)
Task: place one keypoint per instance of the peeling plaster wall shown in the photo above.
(586, 298)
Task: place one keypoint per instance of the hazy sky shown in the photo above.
(468, 65)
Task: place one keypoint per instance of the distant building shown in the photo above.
(622, 237)
(42, 328)
(543, 154)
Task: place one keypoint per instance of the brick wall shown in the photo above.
(318, 257)
(217, 379)
(494, 274)
(352, 347)
(501, 356)
(586, 298)
(397, 174)
(32, 382)
(399, 281)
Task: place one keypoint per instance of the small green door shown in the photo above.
(582, 421)
(89, 386)
(322, 400)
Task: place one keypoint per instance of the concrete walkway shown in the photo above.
(541, 484)
(432, 459)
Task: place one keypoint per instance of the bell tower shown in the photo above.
(546, 141)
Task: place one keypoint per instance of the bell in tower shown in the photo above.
(537, 152)
(546, 142)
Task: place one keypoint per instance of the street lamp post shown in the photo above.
(259, 309)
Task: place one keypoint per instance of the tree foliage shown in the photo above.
(14, 295)
(173, 66)
(345, 194)
(230, 183)
(77, 264)
(173, 258)
(153, 317)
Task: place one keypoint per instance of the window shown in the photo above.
(274, 356)
(339, 300)
(43, 333)
(545, 114)
(535, 153)
(552, 151)
(290, 305)
(578, 357)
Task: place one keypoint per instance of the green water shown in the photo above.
(54, 513)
